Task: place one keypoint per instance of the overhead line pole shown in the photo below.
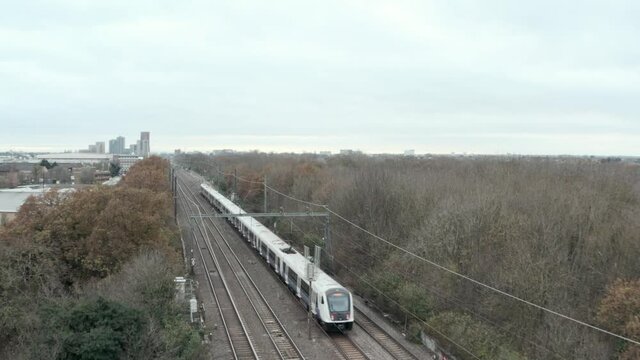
(235, 181)
(265, 193)
(327, 242)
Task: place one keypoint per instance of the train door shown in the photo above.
(282, 267)
(277, 265)
(292, 280)
(314, 302)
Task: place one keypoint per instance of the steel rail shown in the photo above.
(349, 349)
(212, 287)
(238, 336)
(388, 343)
(343, 344)
(279, 336)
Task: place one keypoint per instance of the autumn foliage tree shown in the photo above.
(555, 231)
(95, 230)
(64, 248)
(620, 312)
(151, 174)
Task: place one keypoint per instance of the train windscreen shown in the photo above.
(338, 301)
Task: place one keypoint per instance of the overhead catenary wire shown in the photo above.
(487, 286)
(295, 199)
(463, 348)
(455, 273)
(446, 298)
(394, 301)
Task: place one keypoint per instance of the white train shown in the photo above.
(330, 302)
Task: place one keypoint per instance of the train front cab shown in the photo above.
(336, 305)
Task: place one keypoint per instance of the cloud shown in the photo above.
(389, 74)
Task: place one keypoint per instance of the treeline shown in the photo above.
(89, 274)
(562, 233)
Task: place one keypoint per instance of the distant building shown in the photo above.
(177, 152)
(133, 149)
(100, 147)
(350, 152)
(11, 201)
(126, 161)
(121, 144)
(93, 149)
(325, 153)
(113, 147)
(409, 152)
(116, 146)
(101, 176)
(145, 146)
(223, 152)
(75, 158)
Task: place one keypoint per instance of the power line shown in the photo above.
(460, 303)
(403, 308)
(465, 277)
(449, 299)
(404, 277)
(238, 177)
(295, 199)
(462, 276)
(514, 297)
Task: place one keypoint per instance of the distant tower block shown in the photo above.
(145, 146)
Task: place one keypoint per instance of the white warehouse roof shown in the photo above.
(76, 157)
(10, 202)
(12, 199)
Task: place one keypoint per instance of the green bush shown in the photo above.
(91, 329)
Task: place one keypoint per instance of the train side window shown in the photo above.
(293, 277)
(322, 300)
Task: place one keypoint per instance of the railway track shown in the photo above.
(280, 339)
(347, 347)
(391, 345)
(344, 344)
(238, 339)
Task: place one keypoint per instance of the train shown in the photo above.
(329, 302)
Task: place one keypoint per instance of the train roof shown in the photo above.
(294, 260)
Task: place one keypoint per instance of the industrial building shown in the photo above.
(126, 161)
(10, 202)
(12, 199)
(76, 158)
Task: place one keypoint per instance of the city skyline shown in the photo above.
(305, 148)
(114, 146)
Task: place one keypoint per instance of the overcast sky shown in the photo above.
(529, 77)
